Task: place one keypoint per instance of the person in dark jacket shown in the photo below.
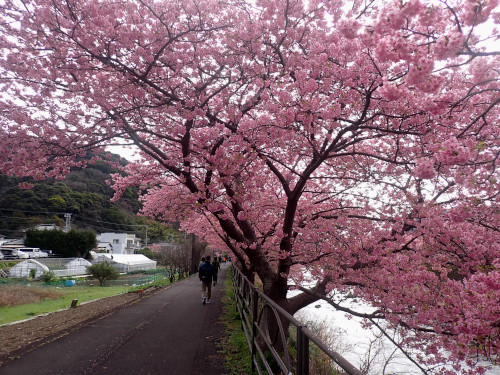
(216, 265)
(207, 275)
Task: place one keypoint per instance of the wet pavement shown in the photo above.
(170, 332)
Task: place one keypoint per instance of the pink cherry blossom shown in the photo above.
(353, 142)
(425, 168)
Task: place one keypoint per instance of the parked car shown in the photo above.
(16, 253)
(34, 252)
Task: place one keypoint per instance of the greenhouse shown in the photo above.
(24, 269)
(126, 262)
(61, 267)
(67, 266)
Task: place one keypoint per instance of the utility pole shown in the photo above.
(141, 225)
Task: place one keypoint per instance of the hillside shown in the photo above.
(84, 194)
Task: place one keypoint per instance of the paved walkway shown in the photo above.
(169, 333)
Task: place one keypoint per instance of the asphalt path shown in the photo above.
(170, 333)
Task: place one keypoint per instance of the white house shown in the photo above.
(118, 243)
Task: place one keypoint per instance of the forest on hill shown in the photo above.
(84, 194)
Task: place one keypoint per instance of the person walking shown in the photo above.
(216, 265)
(207, 274)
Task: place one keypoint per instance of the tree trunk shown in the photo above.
(273, 322)
(276, 289)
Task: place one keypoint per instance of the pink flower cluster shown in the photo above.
(424, 168)
(452, 151)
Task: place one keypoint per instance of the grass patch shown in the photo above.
(20, 295)
(158, 280)
(237, 356)
(55, 299)
(157, 283)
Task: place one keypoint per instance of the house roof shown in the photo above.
(104, 244)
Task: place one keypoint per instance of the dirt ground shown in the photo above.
(18, 338)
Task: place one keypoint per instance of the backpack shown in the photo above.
(205, 272)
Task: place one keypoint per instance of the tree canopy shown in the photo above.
(102, 272)
(75, 243)
(355, 142)
(84, 193)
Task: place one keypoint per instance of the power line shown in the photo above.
(32, 212)
(85, 222)
(100, 228)
(99, 221)
(17, 218)
(75, 217)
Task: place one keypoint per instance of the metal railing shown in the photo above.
(272, 352)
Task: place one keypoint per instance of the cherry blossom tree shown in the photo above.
(352, 142)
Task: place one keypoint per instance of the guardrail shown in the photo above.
(254, 308)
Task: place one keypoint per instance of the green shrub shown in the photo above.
(102, 272)
(147, 252)
(7, 265)
(48, 277)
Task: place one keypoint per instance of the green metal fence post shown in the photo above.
(302, 353)
(254, 326)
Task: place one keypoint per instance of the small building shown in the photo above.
(104, 247)
(23, 269)
(46, 227)
(12, 242)
(118, 243)
(126, 262)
